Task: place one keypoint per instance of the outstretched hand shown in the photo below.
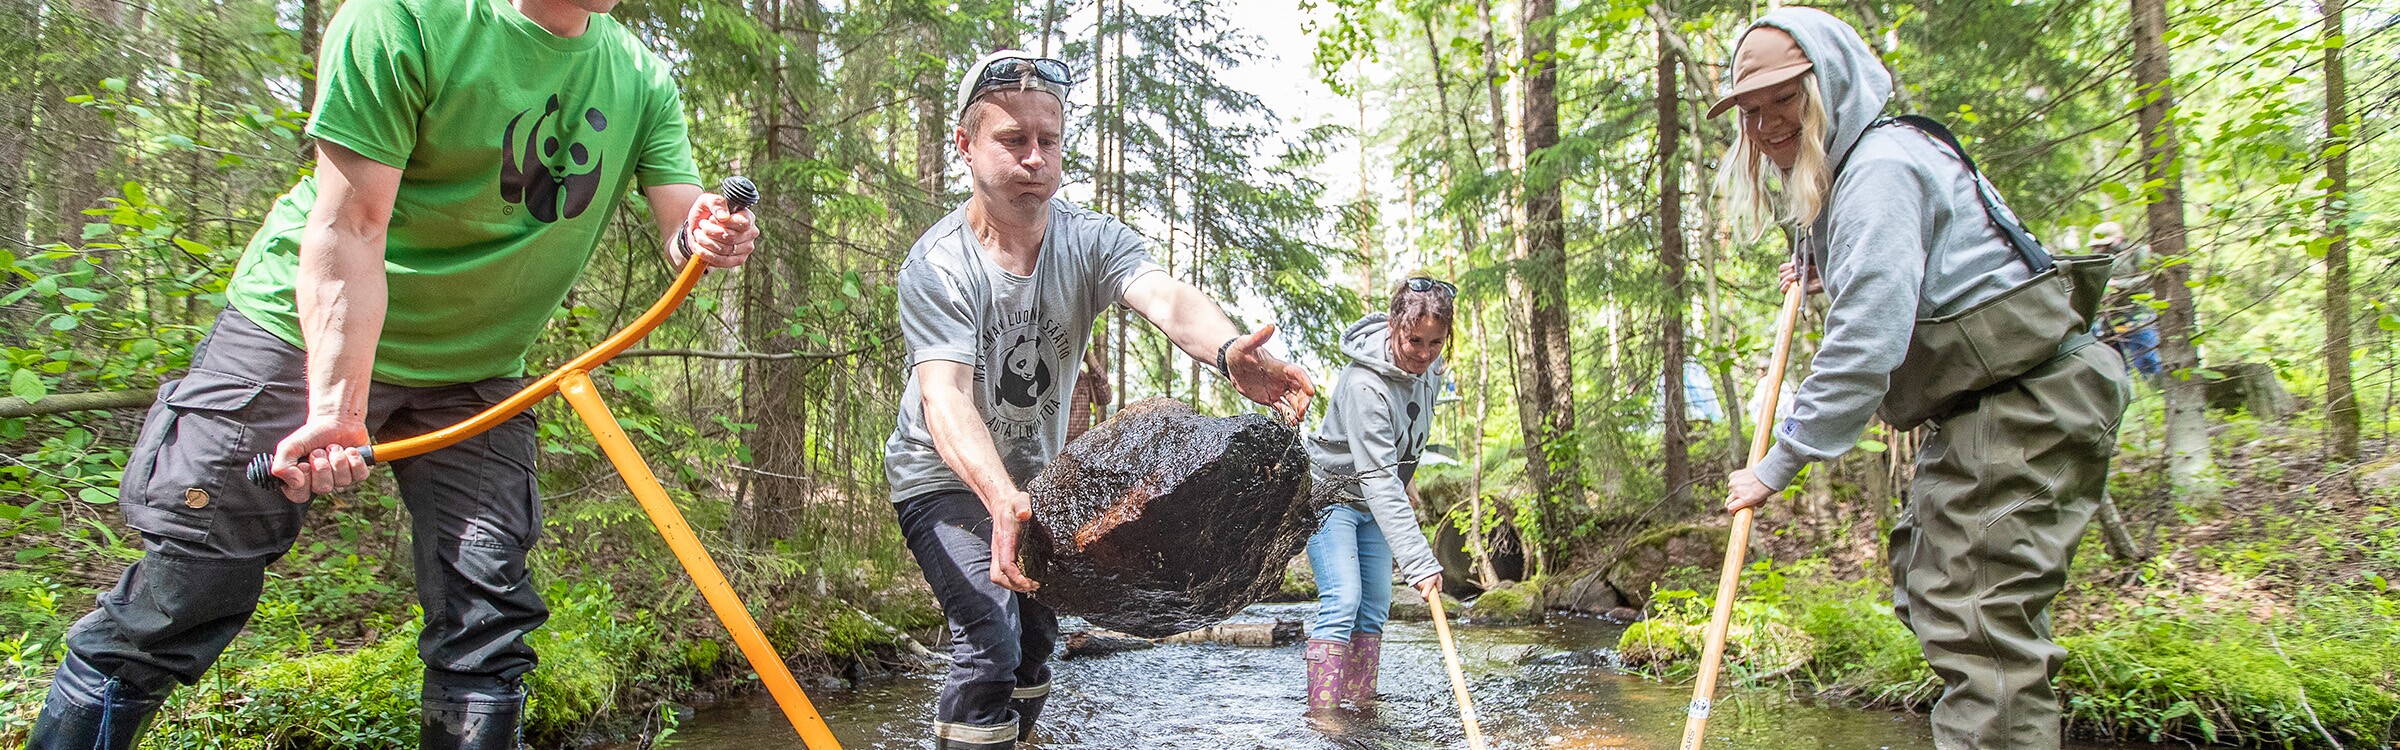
(1262, 378)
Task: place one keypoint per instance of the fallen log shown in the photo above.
(1162, 520)
(60, 403)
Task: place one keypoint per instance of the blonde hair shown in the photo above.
(1758, 196)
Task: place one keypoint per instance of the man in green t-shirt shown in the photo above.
(470, 153)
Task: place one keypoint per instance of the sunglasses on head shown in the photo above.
(1014, 70)
(1423, 284)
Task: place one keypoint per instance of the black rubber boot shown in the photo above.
(1028, 710)
(1001, 736)
(110, 717)
(470, 726)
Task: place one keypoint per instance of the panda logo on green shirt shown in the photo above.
(532, 174)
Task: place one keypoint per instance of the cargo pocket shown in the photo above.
(198, 447)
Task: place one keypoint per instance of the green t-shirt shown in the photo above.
(515, 145)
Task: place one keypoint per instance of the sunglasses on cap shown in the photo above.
(1012, 71)
(1423, 284)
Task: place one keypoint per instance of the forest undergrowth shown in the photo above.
(2263, 618)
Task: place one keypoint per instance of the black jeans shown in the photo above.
(210, 534)
(1000, 640)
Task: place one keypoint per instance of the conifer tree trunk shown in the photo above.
(312, 32)
(1677, 474)
(16, 121)
(2190, 469)
(777, 399)
(2341, 402)
(1546, 400)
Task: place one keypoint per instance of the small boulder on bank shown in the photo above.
(1509, 603)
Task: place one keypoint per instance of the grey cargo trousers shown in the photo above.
(209, 534)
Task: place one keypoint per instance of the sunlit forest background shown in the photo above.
(1551, 158)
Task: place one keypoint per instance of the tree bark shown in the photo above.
(60, 403)
(16, 120)
(2341, 402)
(775, 393)
(1547, 404)
(2121, 542)
(312, 35)
(75, 174)
(2190, 468)
(1675, 443)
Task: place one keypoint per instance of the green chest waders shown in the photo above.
(2027, 411)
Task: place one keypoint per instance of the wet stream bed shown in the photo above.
(1534, 687)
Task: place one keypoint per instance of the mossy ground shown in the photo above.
(2264, 618)
(330, 660)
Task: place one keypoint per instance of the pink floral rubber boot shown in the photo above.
(1326, 660)
(1358, 673)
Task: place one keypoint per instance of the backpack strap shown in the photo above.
(2028, 249)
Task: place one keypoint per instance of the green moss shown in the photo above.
(1508, 604)
(850, 636)
(2175, 670)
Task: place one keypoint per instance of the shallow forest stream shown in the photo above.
(1529, 685)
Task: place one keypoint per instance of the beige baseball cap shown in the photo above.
(1766, 56)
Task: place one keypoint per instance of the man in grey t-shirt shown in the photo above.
(996, 303)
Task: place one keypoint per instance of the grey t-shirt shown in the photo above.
(1023, 335)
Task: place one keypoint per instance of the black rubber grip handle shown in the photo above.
(740, 193)
(262, 468)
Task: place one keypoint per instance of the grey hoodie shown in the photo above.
(1903, 236)
(1376, 425)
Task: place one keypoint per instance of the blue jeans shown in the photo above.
(1353, 565)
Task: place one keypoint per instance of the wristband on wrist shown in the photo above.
(1222, 369)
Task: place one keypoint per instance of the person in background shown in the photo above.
(1091, 393)
(1380, 417)
(2126, 323)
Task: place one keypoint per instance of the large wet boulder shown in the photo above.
(1163, 520)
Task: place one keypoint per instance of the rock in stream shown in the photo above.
(1163, 520)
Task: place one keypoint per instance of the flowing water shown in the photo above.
(1530, 690)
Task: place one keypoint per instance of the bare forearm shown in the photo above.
(341, 295)
(1193, 322)
(966, 447)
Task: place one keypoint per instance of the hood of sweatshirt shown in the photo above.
(1852, 79)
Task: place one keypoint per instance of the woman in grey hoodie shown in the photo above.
(1896, 225)
(1380, 415)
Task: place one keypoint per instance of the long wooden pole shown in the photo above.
(1458, 677)
(576, 386)
(1712, 658)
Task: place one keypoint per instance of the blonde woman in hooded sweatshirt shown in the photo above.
(1375, 428)
(1896, 227)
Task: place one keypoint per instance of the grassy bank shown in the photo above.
(2175, 668)
(329, 661)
